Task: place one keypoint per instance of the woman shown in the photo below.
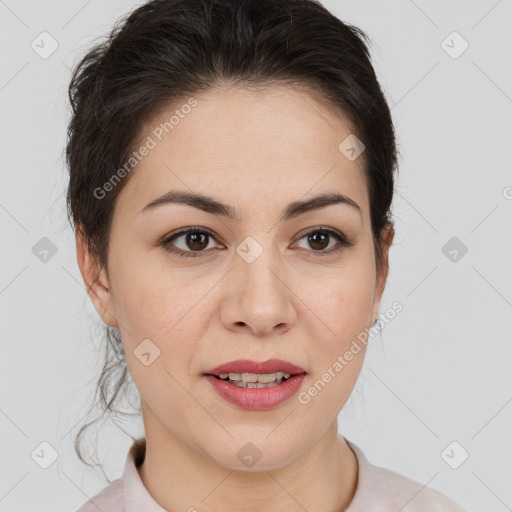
(231, 176)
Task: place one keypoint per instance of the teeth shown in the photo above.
(255, 384)
(266, 378)
(255, 380)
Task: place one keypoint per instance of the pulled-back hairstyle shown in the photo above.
(165, 51)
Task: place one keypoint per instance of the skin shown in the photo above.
(257, 150)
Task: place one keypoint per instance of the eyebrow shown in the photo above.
(210, 205)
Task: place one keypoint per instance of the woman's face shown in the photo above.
(255, 286)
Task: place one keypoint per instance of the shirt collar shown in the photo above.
(136, 496)
(366, 480)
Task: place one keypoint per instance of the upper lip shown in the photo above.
(248, 366)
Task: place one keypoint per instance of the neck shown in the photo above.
(180, 478)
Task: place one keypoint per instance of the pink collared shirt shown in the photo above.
(378, 490)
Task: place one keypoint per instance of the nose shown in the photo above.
(259, 299)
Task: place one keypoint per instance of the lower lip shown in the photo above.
(257, 398)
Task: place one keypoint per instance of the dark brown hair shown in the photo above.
(165, 51)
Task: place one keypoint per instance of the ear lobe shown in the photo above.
(95, 280)
(386, 240)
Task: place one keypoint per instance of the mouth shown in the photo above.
(248, 390)
(245, 373)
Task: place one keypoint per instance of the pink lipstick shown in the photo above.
(256, 385)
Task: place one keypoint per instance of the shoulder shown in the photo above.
(109, 499)
(381, 490)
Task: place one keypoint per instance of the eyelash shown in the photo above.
(344, 243)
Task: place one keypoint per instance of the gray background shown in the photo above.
(438, 373)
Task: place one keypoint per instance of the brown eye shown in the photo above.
(196, 241)
(187, 242)
(320, 240)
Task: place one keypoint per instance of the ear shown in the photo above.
(95, 279)
(388, 233)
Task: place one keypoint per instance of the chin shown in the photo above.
(253, 454)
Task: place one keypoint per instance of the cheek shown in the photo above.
(166, 315)
(338, 354)
(160, 343)
(149, 298)
(344, 301)
(343, 309)
(155, 314)
(346, 315)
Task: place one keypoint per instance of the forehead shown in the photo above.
(245, 146)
